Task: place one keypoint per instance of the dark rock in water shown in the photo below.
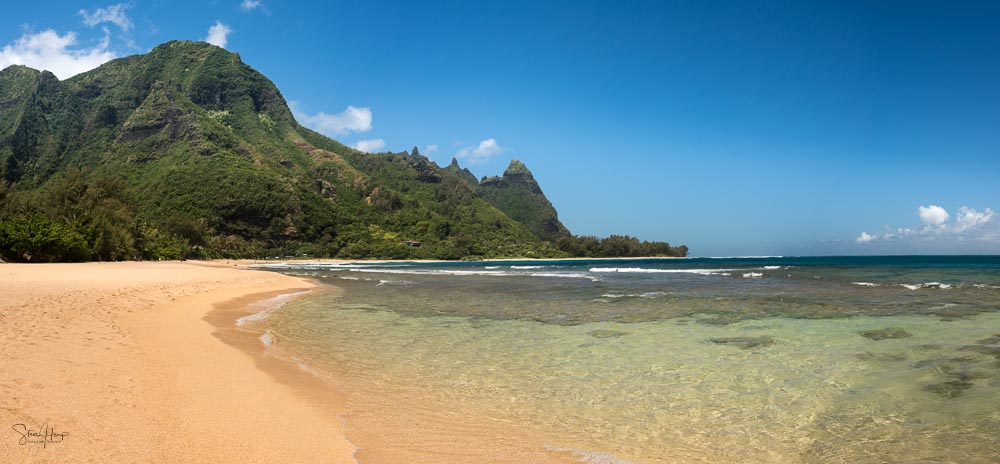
(966, 376)
(721, 319)
(994, 340)
(887, 357)
(886, 333)
(943, 361)
(949, 389)
(606, 333)
(745, 343)
(984, 349)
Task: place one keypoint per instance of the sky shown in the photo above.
(737, 128)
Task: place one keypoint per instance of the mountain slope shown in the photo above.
(187, 151)
(518, 194)
(201, 138)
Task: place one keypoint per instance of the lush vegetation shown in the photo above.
(616, 246)
(187, 152)
(519, 196)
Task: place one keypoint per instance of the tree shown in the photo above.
(36, 238)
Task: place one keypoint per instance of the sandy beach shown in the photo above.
(119, 362)
(143, 362)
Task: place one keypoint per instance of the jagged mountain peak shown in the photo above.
(518, 194)
(516, 167)
(211, 155)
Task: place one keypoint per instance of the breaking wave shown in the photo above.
(455, 272)
(268, 306)
(640, 270)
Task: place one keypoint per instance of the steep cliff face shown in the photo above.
(199, 137)
(518, 194)
(463, 173)
(188, 151)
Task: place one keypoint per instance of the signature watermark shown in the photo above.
(44, 435)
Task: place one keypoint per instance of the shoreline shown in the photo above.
(251, 263)
(383, 426)
(144, 362)
(124, 360)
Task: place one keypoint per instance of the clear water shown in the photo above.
(694, 360)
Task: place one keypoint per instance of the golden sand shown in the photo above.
(116, 362)
(143, 363)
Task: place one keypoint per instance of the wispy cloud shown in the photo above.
(969, 225)
(218, 34)
(114, 14)
(865, 237)
(480, 153)
(250, 5)
(59, 54)
(432, 148)
(352, 119)
(370, 146)
(969, 219)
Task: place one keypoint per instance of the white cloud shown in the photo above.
(486, 149)
(969, 226)
(114, 14)
(218, 34)
(370, 146)
(47, 50)
(933, 215)
(352, 119)
(432, 148)
(250, 5)
(969, 219)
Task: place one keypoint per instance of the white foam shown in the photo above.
(266, 339)
(926, 285)
(752, 274)
(589, 457)
(640, 270)
(492, 267)
(772, 267)
(526, 267)
(743, 257)
(456, 272)
(866, 284)
(634, 295)
(562, 275)
(393, 282)
(348, 278)
(355, 448)
(305, 367)
(267, 307)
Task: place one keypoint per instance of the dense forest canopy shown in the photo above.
(187, 152)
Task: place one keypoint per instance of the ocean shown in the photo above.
(760, 359)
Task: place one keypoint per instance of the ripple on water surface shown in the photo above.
(666, 368)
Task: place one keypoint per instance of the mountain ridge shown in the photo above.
(188, 151)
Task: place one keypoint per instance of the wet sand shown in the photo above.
(119, 362)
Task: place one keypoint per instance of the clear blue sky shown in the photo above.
(736, 128)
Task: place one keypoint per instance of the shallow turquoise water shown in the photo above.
(743, 361)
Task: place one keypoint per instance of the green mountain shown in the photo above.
(187, 151)
(463, 173)
(518, 195)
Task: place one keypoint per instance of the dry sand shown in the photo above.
(122, 359)
(143, 363)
